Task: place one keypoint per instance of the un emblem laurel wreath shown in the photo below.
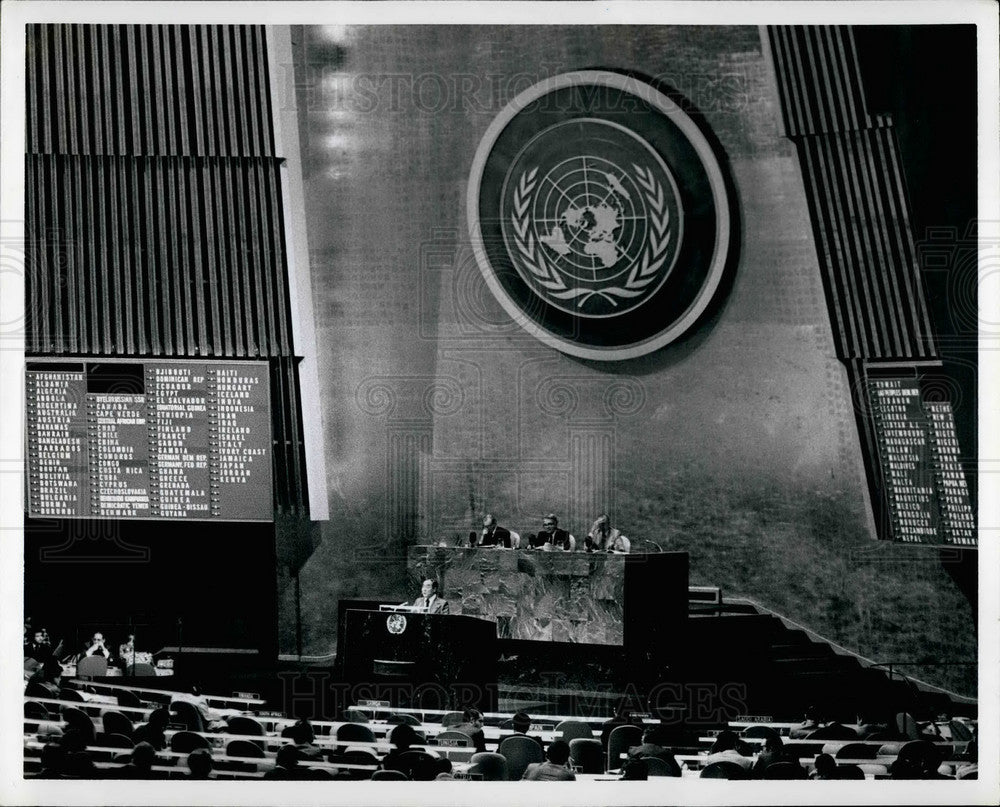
(643, 271)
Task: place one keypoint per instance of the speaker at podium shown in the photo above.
(415, 659)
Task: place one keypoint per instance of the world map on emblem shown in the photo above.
(593, 218)
(600, 216)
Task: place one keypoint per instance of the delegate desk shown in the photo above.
(417, 659)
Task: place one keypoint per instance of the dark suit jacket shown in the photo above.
(558, 537)
(500, 535)
(438, 605)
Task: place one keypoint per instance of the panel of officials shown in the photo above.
(602, 537)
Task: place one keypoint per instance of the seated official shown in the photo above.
(551, 537)
(495, 535)
(554, 768)
(605, 538)
(429, 601)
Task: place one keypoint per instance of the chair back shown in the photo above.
(126, 697)
(657, 767)
(89, 666)
(519, 753)
(785, 770)
(188, 714)
(572, 729)
(116, 723)
(184, 742)
(113, 740)
(492, 766)
(452, 719)
(244, 748)
(724, 770)
(850, 772)
(410, 761)
(389, 775)
(455, 738)
(403, 718)
(69, 694)
(874, 769)
(620, 740)
(960, 733)
(78, 719)
(855, 751)
(889, 749)
(244, 725)
(760, 732)
(355, 732)
(36, 710)
(587, 753)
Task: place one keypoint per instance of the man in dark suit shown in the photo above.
(429, 600)
(551, 537)
(494, 534)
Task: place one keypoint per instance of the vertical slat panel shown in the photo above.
(258, 261)
(151, 271)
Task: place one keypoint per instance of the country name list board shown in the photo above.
(926, 488)
(164, 439)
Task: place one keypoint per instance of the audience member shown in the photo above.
(807, 726)
(46, 681)
(521, 722)
(96, 647)
(401, 737)
(38, 648)
(635, 770)
(140, 766)
(304, 737)
(77, 763)
(773, 751)
(472, 725)
(726, 749)
(868, 726)
(153, 731)
(553, 769)
(652, 746)
(199, 764)
(53, 762)
(825, 767)
(286, 764)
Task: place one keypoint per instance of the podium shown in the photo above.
(417, 660)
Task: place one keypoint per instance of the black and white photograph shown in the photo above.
(408, 403)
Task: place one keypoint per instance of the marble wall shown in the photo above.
(737, 444)
(557, 596)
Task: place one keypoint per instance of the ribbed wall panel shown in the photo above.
(148, 90)
(856, 194)
(818, 79)
(156, 256)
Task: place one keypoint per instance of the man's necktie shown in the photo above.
(427, 603)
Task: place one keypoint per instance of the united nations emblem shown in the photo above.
(395, 624)
(599, 215)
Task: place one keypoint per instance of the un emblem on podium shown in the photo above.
(599, 215)
(395, 624)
